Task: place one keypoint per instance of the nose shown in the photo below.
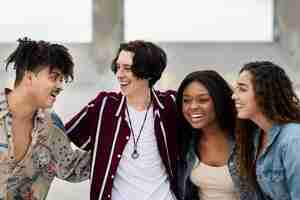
(194, 104)
(234, 88)
(233, 96)
(60, 84)
(120, 72)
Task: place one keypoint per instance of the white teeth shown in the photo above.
(238, 106)
(196, 120)
(196, 116)
(123, 83)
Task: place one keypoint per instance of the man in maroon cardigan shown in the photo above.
(132, 134)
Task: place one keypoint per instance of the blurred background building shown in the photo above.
(216, 34)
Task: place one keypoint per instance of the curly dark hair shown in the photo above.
(34, 56)
(149, 60)
(277, 101)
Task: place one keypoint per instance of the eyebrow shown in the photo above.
(126, 65)
(56, 73)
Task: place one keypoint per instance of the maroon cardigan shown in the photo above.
(101, 127)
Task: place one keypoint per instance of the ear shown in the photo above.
(29, 77)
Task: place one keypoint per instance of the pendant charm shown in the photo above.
(135, 154)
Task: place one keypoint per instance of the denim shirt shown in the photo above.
(278, 166)
(184, 169)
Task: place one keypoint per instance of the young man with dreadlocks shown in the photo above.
(132, 133)
(33, 147)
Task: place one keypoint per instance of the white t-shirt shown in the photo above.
(144, 178)
(214, 183)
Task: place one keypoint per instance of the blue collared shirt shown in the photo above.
(278, 166)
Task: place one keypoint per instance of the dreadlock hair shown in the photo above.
(277, 101)
(149, 60)
(34, 56)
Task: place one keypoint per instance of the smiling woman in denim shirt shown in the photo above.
(207, 169)
(269, 130)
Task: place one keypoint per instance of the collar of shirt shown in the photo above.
(272, 133)
(3, 104)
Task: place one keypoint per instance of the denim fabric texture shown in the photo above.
(278, 166)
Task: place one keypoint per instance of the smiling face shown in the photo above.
(244, 97)
(197, 106)
(130, 85)
(45, 86)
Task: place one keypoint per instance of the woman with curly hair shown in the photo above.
(207, 167)
(268, 132)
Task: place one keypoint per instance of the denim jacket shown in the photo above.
(186, 188)
(278, 166)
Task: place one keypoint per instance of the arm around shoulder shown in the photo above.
(69, 164)
(80, 128)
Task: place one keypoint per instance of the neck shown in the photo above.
(262, 122)
(140, 101)
(211, 133)
(20, 106)
(213, 146)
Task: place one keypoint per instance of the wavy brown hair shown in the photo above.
(277, 101)
(149, 60)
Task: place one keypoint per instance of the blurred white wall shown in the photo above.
(55, 20)
(199, 21)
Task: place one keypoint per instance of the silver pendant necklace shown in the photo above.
(135, 154)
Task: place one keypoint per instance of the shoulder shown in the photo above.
(55, 130)
(290, 135)
(291, 131)
(166, 93)
(289, 141)
(166, 97)
(104, 96)
(103, 99)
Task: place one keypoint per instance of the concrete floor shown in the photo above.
(183, 58)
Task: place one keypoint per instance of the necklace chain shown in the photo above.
(135, 153)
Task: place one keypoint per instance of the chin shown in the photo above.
(196, 125)
(242, 116)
